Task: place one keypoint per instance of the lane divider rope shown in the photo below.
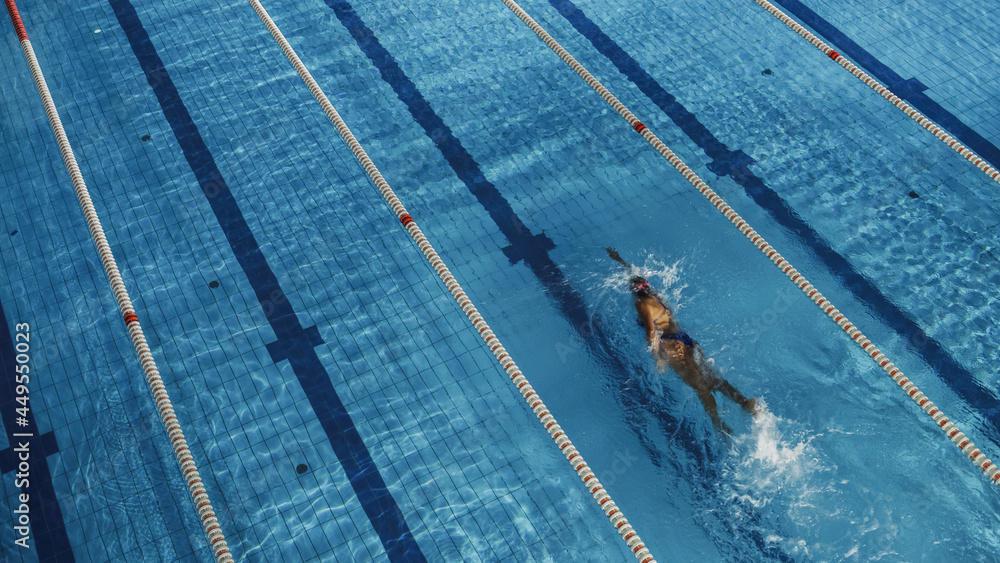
(170, 423)
(611, 510)
(915, 115)
(963, 443)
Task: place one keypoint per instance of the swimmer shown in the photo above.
(676, 349)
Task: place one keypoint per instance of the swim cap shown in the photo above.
(638, 284)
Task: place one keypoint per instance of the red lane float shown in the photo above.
(15, 18)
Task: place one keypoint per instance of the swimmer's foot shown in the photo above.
(753, 406)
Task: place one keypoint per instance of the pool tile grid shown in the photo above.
(188, 305)
(955, 62)
(251, 360)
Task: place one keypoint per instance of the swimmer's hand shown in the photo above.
(613, 254)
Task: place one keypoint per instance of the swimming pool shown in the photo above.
(279, 293)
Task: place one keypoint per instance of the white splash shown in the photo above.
(663, 277)
(776, 475)
(770, 460)
(769, 448)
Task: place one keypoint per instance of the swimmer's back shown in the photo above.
(661, 315)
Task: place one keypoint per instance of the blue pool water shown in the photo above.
(335, 400)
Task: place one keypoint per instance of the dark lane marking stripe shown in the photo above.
(48, 529)
(533, 249)
(911, 90)
(735, 164)
(523, 244)
(294, 343)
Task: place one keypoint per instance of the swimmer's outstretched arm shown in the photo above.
(614, 256)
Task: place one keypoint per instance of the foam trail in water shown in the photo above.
(768, 459)
(778, 476)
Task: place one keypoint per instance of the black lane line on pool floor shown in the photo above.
(735, 165)
(911, 90)
(48, 528)
(533, 249)
(294, 343)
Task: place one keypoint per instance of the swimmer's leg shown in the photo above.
(727, 389)
(722, 385)
(712, 408)
(687, 367)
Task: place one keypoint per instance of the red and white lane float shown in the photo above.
(190, 472)
(611, 510)
(915, 115)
